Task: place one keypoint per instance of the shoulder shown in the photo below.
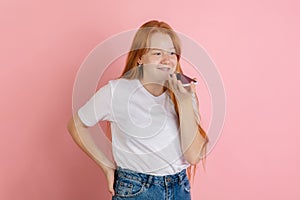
(119, 81)
(122, 83)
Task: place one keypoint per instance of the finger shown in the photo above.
(172, 81)
(176, 83)
(193, 87)
(170, 84)
(110, 181)
(111, 189)
(180, 87)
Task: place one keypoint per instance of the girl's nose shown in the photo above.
(165, 58)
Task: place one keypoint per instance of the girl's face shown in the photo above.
(161, 60)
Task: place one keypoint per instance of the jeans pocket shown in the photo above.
(126, 187)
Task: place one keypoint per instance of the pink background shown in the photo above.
(255, 45)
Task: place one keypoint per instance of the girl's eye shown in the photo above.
(157, 53)
(172, 53)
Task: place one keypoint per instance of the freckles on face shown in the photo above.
(161, 51)
(161, 59)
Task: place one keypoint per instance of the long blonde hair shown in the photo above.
(138, 48)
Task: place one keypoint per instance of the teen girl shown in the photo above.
(154, 121)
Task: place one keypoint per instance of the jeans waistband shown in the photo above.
(149, 179)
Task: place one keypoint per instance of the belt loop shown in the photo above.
(149, 181)
(180, 178)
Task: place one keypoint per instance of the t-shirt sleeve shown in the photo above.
(97, 108)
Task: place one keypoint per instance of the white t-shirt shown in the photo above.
(145, 131)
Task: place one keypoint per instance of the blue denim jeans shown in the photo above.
(131, 185)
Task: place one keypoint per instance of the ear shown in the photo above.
(139, 61)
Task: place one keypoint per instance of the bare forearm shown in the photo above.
(83, 139)
(191, 140)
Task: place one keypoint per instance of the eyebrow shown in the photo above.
(172, 48)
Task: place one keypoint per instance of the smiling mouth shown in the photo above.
(166, 69)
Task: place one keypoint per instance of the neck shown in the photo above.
(156, 89)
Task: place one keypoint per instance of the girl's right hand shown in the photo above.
(110, 177)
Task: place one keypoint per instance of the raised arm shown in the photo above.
(192, 141)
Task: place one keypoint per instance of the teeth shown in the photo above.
(164, 68)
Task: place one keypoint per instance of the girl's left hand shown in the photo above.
(181, 93)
